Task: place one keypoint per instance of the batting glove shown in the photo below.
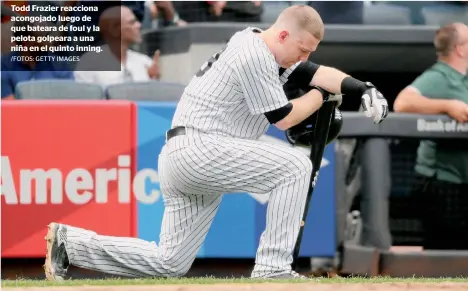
(374, 104)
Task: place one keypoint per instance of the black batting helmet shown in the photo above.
(302, 134)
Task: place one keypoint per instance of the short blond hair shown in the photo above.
(446, 37)
(302, 17)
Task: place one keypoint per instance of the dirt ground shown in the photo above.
(266, 287)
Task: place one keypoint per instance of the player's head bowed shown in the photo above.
(296, 33)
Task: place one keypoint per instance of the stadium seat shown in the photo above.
(439, 16)
(384, 14)
(146, 91)
(58, 89)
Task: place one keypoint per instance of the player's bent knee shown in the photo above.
(174, 272)
(301, 164)
(175, 268)
(307, 166)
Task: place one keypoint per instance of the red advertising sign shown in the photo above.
(68, 162)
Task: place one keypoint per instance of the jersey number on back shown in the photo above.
(210, 63)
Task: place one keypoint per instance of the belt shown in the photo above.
(180, 130)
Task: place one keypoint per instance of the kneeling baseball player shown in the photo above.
(213, 149)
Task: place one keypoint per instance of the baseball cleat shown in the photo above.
(284, 275)
(56, 263)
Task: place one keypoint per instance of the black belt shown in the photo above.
(180, 130)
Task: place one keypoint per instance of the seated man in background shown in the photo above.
(29, 65)
(441, 183)
(137, 7)
(120, 29)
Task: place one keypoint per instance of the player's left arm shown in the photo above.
(338, 82)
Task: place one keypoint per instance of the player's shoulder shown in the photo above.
(252, 39)
(251, 47)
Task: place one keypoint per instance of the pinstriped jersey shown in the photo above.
(234, 88)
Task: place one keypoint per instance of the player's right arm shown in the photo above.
(264, 94)
(416, 98)
(301, 108)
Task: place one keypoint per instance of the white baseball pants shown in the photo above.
(195, 171)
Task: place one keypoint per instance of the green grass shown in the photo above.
(210, 280)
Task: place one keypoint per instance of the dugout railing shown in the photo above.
(380, 159)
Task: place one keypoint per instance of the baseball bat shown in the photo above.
(321, 126)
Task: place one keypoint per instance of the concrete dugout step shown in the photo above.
(425, 263)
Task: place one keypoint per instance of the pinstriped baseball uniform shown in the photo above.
(222, 109)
